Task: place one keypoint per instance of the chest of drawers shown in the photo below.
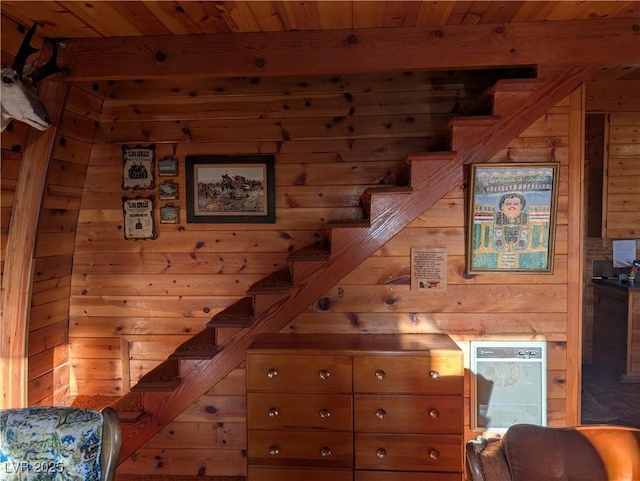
(354, 408)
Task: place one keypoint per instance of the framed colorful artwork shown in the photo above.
(512, 217)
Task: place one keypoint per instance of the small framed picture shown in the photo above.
(168, 190)
(170, 214)
(138, 167)
(168, 166)
(138, 218)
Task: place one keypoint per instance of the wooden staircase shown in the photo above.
(273, 302)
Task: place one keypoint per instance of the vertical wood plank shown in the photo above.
(17, 278)
(575, 249)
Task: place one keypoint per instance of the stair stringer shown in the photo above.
(430, 180)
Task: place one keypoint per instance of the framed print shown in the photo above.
(138, 218)
(429, 268)
(168, 190)
(168, 166)
(170, 214)
(230, 188)
(138, 168)
(512, 217)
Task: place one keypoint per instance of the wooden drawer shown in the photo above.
(292, 474)
(408, 374)
(405, 476)
(408, 414)
(331, 412)
(409, 452)
(300, 449)
(284, 373)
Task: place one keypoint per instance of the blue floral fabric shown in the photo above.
(50, 443)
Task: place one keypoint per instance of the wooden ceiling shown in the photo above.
(135, 28)
(92, 19)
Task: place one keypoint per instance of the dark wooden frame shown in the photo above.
(210, 167)
(497, 242)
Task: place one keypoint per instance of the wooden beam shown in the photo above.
(18, 266)
(321, 52)
(575, 260)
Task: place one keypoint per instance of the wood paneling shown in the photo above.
(150, 295)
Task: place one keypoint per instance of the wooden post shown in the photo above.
(575, 260)
(17, 279)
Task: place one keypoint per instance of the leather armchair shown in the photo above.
(59, 443)
(536, 453)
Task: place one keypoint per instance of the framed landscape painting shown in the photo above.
(512, 217)
(230, 188)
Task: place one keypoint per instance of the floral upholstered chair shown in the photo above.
(58, 443)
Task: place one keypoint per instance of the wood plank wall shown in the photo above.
(132, 302)
(49, 376)
(622, 203)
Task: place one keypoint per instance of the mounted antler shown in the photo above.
(19, 99)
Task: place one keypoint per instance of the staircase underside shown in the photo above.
(433, 175)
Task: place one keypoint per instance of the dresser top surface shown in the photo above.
(354, 343)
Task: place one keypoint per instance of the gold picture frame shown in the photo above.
(511, 220)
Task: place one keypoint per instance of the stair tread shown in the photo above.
(239, 314)
(310, 253)
(200, 346)
(156, 386)
(129, 403)
(436, 155)
(276, 282)
(518, 84)
(475, 120)
(389, 189)
(130, 416)
(164, 377)
(348, 223)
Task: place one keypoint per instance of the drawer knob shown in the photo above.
(273, 412)
(434, 375)
(274, 450)
(271, 373)
(434, 454)
(324, 413)
(326, 451)
(324, 374)
(381, 453)
(434, 414)
(380, 375)
(381, 414)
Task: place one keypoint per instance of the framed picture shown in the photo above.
(138, 218)
(230, 188)
(168, 166)
(138, 167)
(512, 217)
(168, 190)
(170, 214)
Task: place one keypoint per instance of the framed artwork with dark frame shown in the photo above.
(230, 188)
(511, 219)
